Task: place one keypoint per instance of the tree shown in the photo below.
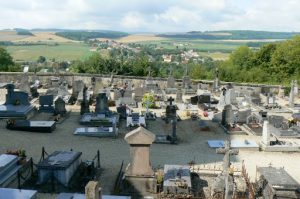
(41, 59)
(6, 60)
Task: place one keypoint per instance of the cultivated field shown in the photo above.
(36, 37)
(11, 36)
(62, 51)
(44, 37)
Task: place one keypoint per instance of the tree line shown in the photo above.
(275, 63)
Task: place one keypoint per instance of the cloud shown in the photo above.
(154, 15)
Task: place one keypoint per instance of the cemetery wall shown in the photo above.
(118, 79)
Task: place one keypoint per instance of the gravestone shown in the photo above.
(46, 104)
(84, 106)
(24, 83)
(171, 111)
(139, 177)
(16, 105)
(216, 83)
(186, 80)
(102, 103)
(60, 107)
(77, 88)
(266, 133)
(170, 80)
(93, 190)
(227, 115)
(140, 141)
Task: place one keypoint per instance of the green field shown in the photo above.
(62, 51)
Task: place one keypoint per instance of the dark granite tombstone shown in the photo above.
(102, 103)
(60, 107)
(46, 104)
(171, 111)
(17, 104)
(84, 106)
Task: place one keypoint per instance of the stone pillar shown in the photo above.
(93, 190)
(139, 178)
(140, 140)
(266, 133)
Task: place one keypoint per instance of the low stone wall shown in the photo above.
(118, 79)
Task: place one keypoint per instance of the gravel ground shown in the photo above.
(192, 146)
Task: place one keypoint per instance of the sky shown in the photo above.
(152, 15)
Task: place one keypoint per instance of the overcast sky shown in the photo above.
(152, 15)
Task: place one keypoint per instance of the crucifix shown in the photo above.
(170, 99)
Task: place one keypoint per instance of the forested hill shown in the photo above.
(231, 34)
(86, 35)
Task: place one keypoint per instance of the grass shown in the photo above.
(63, 51)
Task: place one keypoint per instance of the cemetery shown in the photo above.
(172, 138)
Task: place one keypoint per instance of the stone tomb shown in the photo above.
(16, 105)
(8, 193)
(31, 126)
(103, 122)
(61, 164)
(268, 144)
(276, 183)
(8, 168)
(177, 179)
(139, 177)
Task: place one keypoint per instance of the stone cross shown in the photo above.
(170, 99)
(227, 151)
(140, 141)
(226, 167)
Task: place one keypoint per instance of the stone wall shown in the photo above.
(118, 79)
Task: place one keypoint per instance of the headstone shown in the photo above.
(77, 87)
(84, 106)
(16, 105)
(216, 82)
(101, 103)
(140, 141)
(266, 133)
(170, 80)
(24, 83)
(93, 190)
(46, 103)
(280, 92)
(186, 80)
(60, 107)
(171, 111)
(227, 115)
